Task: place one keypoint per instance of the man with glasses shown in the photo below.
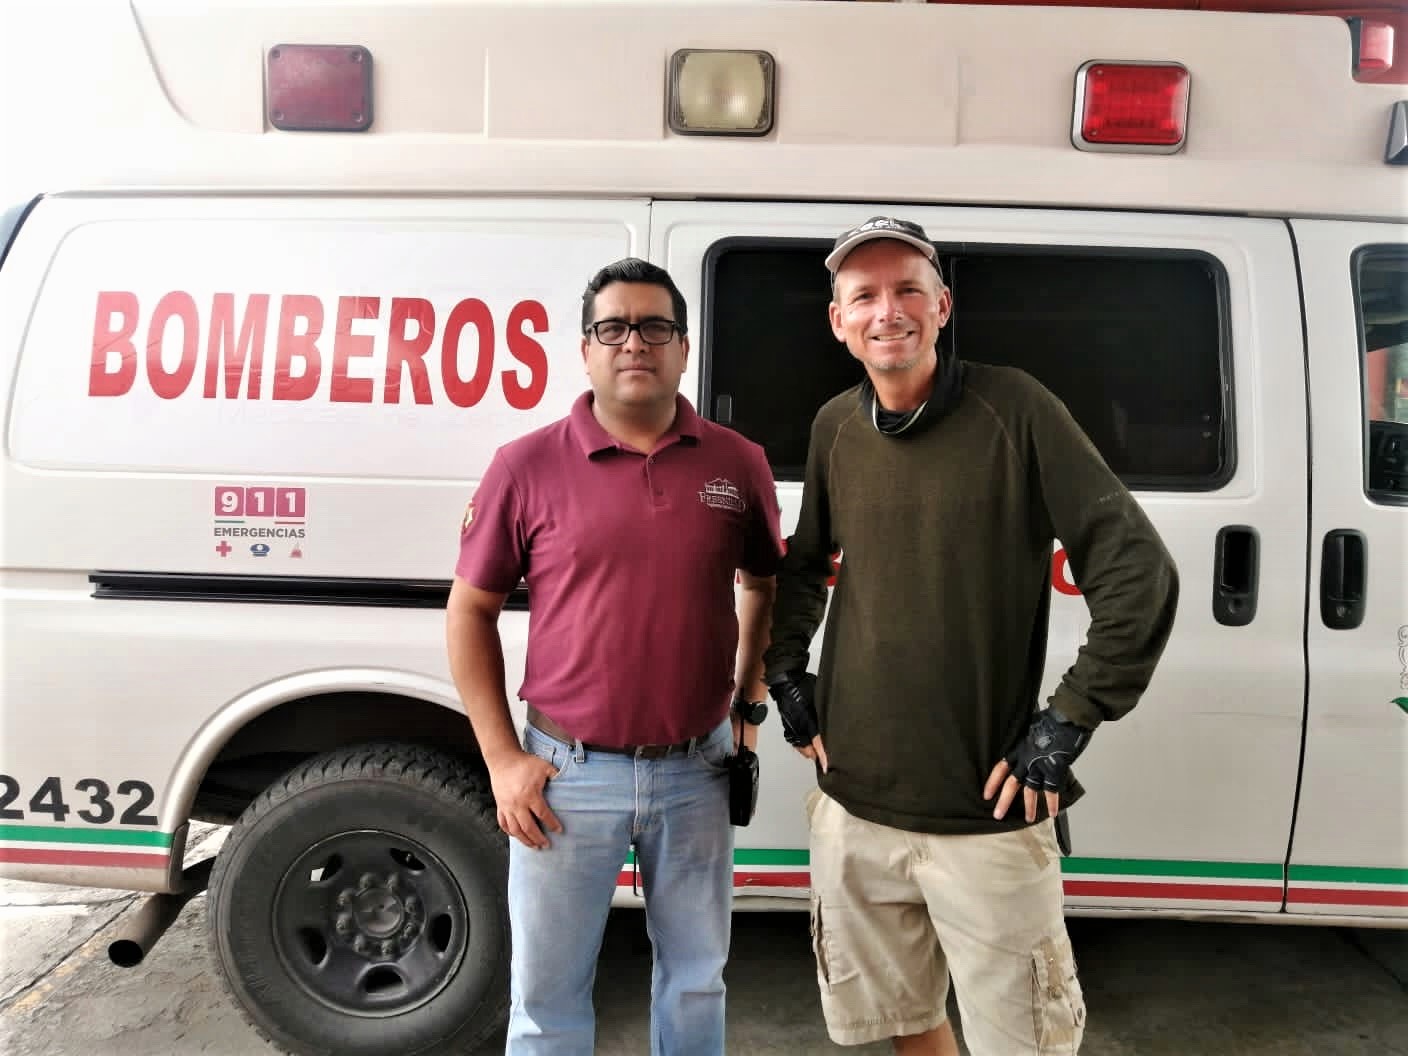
(629, 520)
(944, 484)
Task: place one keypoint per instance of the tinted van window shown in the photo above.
(1132, 343)
(1381, 288)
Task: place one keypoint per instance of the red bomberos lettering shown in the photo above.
(392, 354)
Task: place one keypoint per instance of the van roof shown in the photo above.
(956, 103)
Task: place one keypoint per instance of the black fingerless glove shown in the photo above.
(795, 693)
(1043, 761)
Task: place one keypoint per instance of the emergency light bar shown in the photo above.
(1131, 107)
(319, 87)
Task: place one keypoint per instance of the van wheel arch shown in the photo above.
(272, 743)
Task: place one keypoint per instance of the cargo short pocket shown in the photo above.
(819, 947)
(1040, 842)
(1058, 1006)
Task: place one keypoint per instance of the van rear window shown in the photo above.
(1132, 342)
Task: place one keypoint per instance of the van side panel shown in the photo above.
(280, 391)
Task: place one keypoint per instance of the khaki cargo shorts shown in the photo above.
(895, 912)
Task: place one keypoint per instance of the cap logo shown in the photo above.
(882, 223)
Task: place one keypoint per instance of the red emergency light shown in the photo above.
(319, 87)
(1135, 107)
(1373, 47)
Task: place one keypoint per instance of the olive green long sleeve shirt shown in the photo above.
(932, 657)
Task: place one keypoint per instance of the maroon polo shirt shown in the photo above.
(630, 561)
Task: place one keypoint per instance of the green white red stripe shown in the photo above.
(1142, 882)
(1248, 885)
(1137, 882)
(1312, 888)
(755, 870)
(96, 848)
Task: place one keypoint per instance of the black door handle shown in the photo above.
(1344, 563)
(1234, 575)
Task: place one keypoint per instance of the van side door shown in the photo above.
(1349, 856)
(1176, 343)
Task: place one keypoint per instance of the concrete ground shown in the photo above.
(1154, 988)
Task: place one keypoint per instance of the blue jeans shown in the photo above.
(675, 811)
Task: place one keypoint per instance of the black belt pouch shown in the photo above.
(742, 785)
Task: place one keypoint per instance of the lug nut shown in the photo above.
(360, 944)
(367, 882)
(344, 923)
(387, 948)
(345, 897)
(413, 906)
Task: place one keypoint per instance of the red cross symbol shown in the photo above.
(224, 548)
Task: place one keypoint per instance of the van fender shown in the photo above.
(219, 728)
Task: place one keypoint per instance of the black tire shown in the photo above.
(359, 907)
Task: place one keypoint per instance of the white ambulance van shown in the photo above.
(282, 277)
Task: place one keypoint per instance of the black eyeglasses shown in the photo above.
(618, 331)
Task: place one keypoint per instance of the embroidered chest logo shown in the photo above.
(721, 494)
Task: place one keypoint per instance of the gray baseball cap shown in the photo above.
(906, 231)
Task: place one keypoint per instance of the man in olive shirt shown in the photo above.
(945, 484)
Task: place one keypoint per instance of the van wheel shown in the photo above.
(359, 907)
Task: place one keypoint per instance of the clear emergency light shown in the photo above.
(1131, 107)
(319, 87)
(721, 93)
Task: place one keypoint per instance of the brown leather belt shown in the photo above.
(541, 722)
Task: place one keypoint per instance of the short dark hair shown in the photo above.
(633, 269)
